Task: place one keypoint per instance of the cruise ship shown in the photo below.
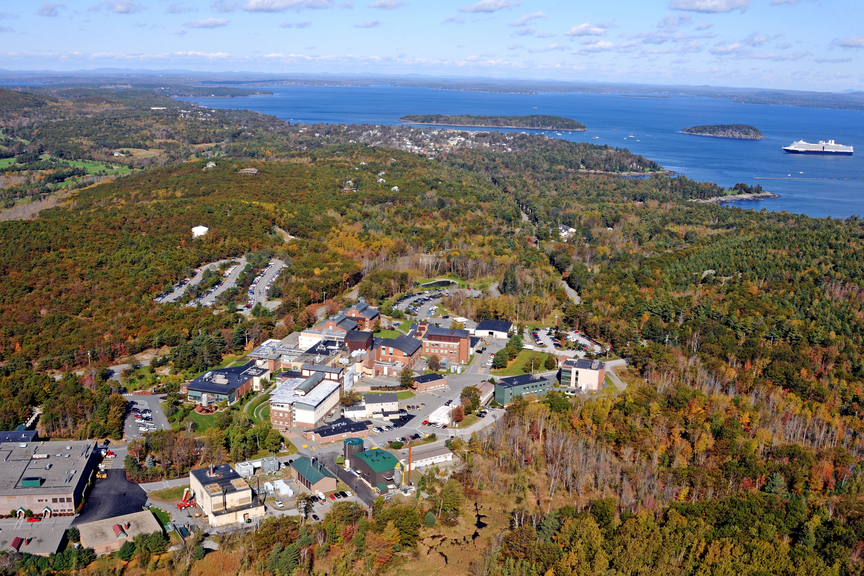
(829, 147)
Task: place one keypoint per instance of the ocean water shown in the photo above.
(818, 186)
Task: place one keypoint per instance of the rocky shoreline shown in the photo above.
(735, 198)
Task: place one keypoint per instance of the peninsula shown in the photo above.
(734, 131)
(533, 122)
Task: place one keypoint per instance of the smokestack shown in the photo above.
(409, 465)
(210, 470)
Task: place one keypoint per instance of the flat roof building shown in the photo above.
(224, 496)
(36, 538)
(108, 535)
(380, 403)
(583, 375)
(506, 389)
(430, 382)
(339, 429)
(45, 477)
(226, 384)
(304, 401)
(18, 436)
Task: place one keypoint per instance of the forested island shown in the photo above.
(533, 122)
(734, 131)
(732, 448)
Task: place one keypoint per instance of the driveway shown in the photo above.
(112, 496)
(144, 401)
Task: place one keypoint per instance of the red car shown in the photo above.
(332, 496)
(34, 519)
(425, 422)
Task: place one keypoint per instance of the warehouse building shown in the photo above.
(108, 535)
(499, 329)
(425, 456)
(45, 477)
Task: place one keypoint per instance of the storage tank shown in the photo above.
(350, 447)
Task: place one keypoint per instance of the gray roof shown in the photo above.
(404, 343)
(322, 368)
(341, 426)
(226, 380)
(428, 378)
(18, 436)
(298, 391)
(380, 398)
(66, 461)
(223, 475)
(365, 310)
(494, 325)
(436, 331)
(521, 380)
(584, 364)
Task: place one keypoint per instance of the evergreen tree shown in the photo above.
(509, 285)
(429, 520)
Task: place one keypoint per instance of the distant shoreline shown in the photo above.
(529, 122)
(735, 198)
(490, 126)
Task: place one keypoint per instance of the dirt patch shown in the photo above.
(217, 563)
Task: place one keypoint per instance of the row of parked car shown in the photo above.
(144, 418)
(255, 282)
(159, 299)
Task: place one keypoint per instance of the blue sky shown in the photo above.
(793, 44)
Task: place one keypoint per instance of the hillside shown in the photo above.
(533, 122)
(734, 131)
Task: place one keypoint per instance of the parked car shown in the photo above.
(278, 504)
(316, 518)
(343, 494)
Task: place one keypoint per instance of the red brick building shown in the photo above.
(447, 343)
(404, 350)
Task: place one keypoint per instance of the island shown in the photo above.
(735, 131)
(533, 122)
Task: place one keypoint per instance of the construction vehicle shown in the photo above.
(102, 474)
(187, 501)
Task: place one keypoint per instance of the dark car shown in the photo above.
(343, 494)
(316, 518)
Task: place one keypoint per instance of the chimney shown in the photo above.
(210, 470)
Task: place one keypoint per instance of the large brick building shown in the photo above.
(449, 343)
(403, 350)
(363, 314)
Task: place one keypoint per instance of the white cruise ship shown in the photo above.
(829, 147)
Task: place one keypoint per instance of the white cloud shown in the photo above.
(208, 23)
(302, 24)
(756, 39)
(387, 4)
(674, 21)
(283, 5)
(545, 35)
(454, 20)
(834, 60)
(550, 48)
(586, 30)
(779, 2)
(490, 6)
(367, 24)
(527, 18)
(709, 5)
(515, 46)
(222, 6)
(597, 47)
(524, 32)
(846, 43)
(777, 57)
(705, 26)
(178, 8)
(119, 7)
(723, 50)
(49, 10)
(180, 32)
(784, 46)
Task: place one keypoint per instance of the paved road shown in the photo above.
(144, 401)
(163, 484)
(261, 284)
(570, 292)
(112, 496)
(610, 371)
(227, 283)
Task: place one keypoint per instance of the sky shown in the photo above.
(791, 44)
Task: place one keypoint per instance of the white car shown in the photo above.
(278, 504)
(142, 429)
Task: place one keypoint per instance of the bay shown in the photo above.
(818, 186)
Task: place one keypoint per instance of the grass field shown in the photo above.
(388, 334)
(168, 494)
(252, 409)
(405, 395)
(517, 366)
(161, 515)
(6, 162)
(93, 167)
(202, 421)
(467, 421)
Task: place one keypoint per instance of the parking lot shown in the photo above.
(262, 283)
(209, 298)
(180, 287)
(144, 402)
(426, 306)
(112, 496)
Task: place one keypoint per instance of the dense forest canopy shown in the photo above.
(735, 131)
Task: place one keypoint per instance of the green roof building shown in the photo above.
(313, 475)
(377, 467)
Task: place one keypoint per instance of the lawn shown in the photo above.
(517, 366)
(388, 334)
(6, 162)
(93, 167)
(168, 494)
(467, 421)
(161, 515)
(405, 395)
(202, 421)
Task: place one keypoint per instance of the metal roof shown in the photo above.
(436, 331)
(521, 380)
(378, 460)
(494, 326)
(384, 398)
(313, 472)
(404, 343)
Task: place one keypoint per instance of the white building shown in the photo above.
(303, 401)
(199, 231)
(441, 416)
(422, 457)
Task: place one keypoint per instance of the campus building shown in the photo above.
(224, 496)
(226, 384)
(579, 374)
(449, 343)
(305, 400)
(45, 477)
(506, 389)
(313, 475)
(378, 468)
(108, 535)
(499, 329)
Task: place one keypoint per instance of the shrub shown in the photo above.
(198, 552)
(127, 551)
(429, 520)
